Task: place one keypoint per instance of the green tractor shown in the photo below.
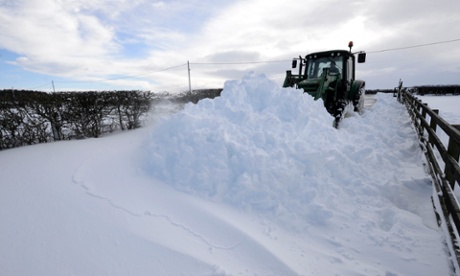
(330, 76)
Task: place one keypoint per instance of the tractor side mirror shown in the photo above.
(294, 63)
(361, 57)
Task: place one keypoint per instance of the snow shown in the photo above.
(447, 106)
(255, 182)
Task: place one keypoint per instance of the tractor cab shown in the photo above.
(316, 65)
(329, 75)
(335, 62)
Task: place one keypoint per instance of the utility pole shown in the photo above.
(54, 90)
(189, 80)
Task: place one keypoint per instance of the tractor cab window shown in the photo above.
(316, 66)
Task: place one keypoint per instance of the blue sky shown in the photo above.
(143, 44)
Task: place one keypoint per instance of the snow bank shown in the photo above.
(274, 152)
(253, 147)
(255, 182)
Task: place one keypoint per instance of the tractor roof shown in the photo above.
(331, 53)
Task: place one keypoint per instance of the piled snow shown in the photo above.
(255, 182)
(255, 147)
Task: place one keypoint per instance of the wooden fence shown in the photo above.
(443, 163)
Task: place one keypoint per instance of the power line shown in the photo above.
(414, 46)
(126, 77)
(45, 84)
(162, 70)
(244, 62)
(51, 83)
(241, 62)
(369, 52)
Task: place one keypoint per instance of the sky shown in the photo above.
(254, 182)
(59, 45)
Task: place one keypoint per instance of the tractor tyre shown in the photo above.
(358, 100)
(339, 112)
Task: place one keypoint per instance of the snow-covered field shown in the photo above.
(255, 182)
(448, 105)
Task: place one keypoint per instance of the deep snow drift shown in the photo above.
(255, 182)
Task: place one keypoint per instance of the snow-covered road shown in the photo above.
(255, 182)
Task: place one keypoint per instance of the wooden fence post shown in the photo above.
(421, 130)
(433, 125)
(454, 150)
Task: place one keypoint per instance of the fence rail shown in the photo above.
(443, 163)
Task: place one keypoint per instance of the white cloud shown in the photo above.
(94, 39)
(22, 60)
(159, 4)
(49, 35)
